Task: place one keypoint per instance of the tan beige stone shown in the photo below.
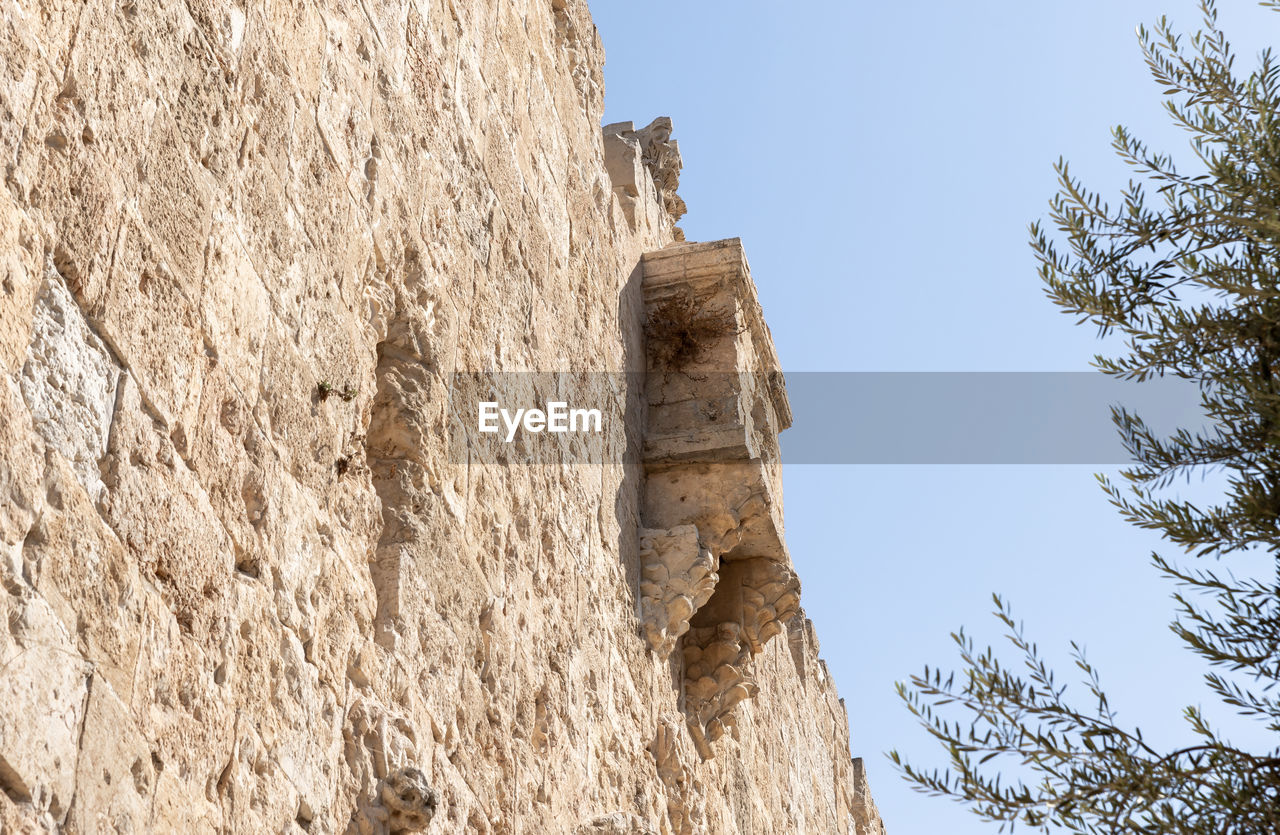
(252, 579)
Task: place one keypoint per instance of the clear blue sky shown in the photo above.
(881, 162)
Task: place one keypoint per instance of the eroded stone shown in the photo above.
(229, 602)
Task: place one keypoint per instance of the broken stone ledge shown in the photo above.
(642, 163)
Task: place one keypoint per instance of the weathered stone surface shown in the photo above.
(115, 777)
(653, 148)
(43, 691)
(678, 576)
(69, 382)
(866, 817)
(618, 823)
(247, 583)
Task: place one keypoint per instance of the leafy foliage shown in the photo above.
(1185, 272)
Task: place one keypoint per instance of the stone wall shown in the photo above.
(247, 582)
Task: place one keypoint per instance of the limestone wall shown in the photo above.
(247, 583)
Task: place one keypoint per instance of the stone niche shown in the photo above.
(716, 574)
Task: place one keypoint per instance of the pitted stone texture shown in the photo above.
(114, 772)
(233, 604)
(409, 800)
(617, 823)
(69, 382)
(43, 692)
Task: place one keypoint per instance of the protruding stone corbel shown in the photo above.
(678, 575)
(716, 403)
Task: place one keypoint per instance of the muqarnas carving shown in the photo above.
(678, 577)
(716, 678)
(713, 476)
(753, 601)
(770, 598)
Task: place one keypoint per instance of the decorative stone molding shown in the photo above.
(637, 158)
(753, 601)
(661, 155)
(678, 575)
(716, 678)
(770, 599)
(716, 402)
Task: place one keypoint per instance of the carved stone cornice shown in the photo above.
(753, 601)
(716, 276)
(661, 155)
(770, 598)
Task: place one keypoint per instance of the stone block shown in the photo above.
(115, 776)
(42, 692)
(69, 382)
